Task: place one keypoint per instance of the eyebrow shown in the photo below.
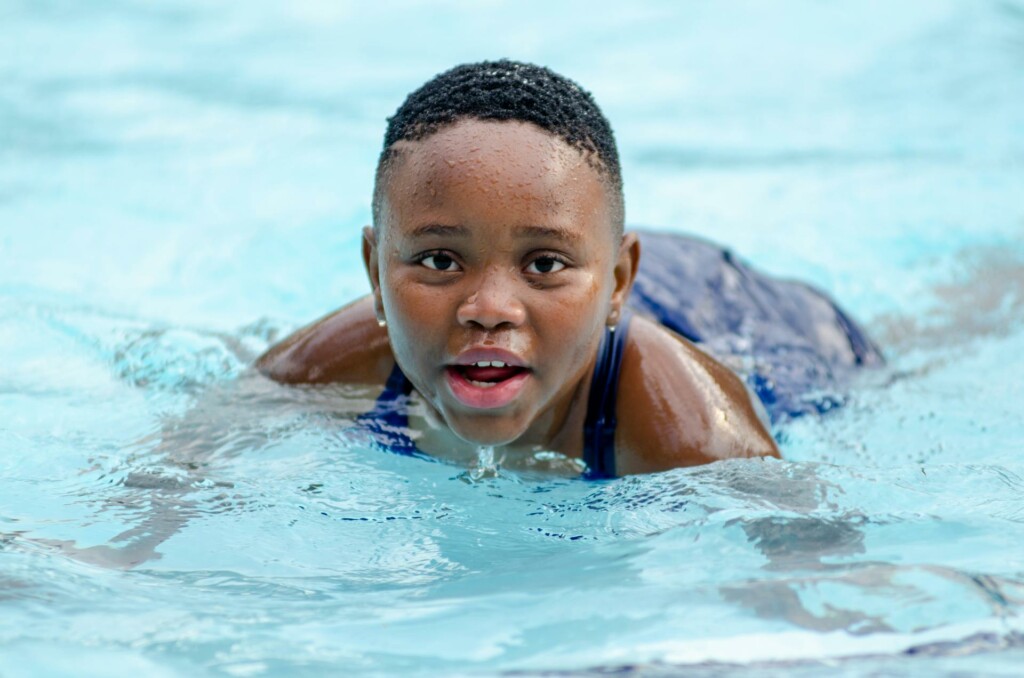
(440, 230)
(548, 232)
(529, 231)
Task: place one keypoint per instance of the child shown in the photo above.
(500, 277)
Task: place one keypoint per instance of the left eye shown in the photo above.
(545, 265)
(439, 262)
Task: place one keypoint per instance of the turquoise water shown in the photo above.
(180, 183)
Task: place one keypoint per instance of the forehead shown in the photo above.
(518, 170)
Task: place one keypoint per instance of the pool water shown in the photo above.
(183, 183)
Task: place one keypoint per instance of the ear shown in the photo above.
(626, 264)
(371, 262)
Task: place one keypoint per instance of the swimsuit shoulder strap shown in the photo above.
(389, 418)
(397, 385)
(599, 429)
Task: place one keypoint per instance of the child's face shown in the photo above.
(496, 244)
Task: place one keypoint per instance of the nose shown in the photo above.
(494, 304)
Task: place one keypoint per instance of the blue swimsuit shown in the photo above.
(793, 346)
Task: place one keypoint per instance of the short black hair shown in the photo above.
(514, 91)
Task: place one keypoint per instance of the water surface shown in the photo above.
(181, 184)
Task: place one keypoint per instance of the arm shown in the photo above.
(677, 406)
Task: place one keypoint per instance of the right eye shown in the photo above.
(439, 261)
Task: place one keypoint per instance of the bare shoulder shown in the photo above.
(677, 406)
(347, 346)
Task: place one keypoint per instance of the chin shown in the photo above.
(493, 433)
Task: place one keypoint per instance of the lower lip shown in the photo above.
(485, 397)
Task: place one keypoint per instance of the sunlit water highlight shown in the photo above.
(181, 185)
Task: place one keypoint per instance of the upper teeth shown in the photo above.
(488, 363)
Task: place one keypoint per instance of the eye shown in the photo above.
(545, 265)
(439, 261)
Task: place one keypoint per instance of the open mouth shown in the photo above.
(487, 373)
(486, 384)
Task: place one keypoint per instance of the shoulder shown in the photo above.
(677, 406)
(346, 346)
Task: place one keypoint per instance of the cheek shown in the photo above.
(569, 320)
(401, 291)
(401, 297)
(416, 314)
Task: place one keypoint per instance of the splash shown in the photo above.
(486, 466)
(485, 457)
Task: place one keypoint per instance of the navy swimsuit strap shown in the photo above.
(599, 429)
(389, 419)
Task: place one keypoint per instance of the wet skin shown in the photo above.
(496, 243)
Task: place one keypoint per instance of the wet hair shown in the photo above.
(513, 91)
